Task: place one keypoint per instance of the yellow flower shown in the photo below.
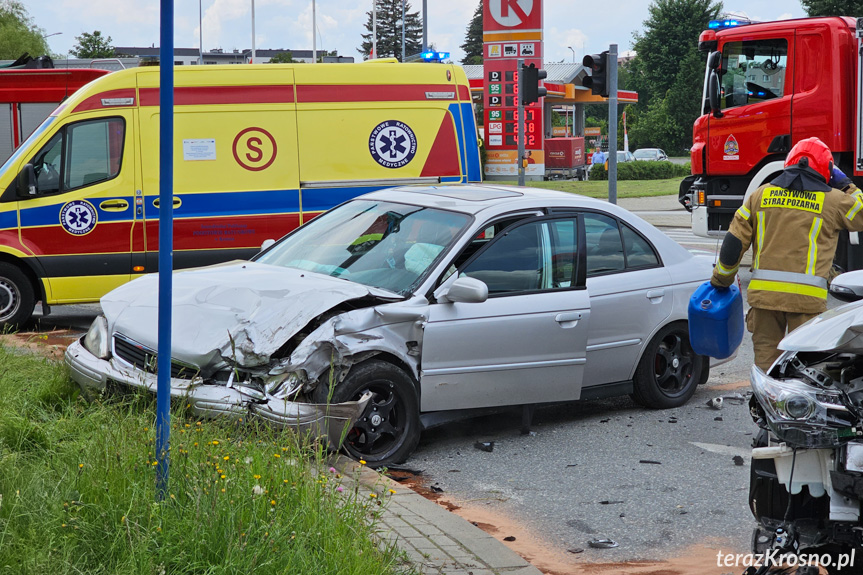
(123, 519)
(373, 495)
(215, 442)
(187, 426)
(80, 466)
(276, 455)
(198, 423)
(227, 457)
(256, 476)
(223, 476)
(272, 502)
(223, 489)
(196, 444)
(155, 463)
(362, 461)
(392, 491)
(172, 496)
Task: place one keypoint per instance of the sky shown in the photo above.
(585, 26)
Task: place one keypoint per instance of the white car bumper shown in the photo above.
(206, 400)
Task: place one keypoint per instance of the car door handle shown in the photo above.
(655, 294)
(114, 205)
(568, 319)
(177, 202)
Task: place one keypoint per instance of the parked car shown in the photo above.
(391, 310)
(650, 154)
(625, 156)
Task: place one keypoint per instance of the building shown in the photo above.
(191, 56)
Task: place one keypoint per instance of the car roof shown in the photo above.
(476, 198)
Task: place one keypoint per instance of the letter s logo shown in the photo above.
(254, 149)
(254, 144)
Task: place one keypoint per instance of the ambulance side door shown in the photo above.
(80, 221)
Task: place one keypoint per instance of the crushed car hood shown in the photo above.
(839, 329)
(240, 311)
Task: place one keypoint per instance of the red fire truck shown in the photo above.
(28, 96)
(766, 87)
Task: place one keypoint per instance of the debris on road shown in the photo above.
(607, 502)
(576, 550)
(487, 446)
(736, 397)
(650, 461)
(715, 403)
(738, 460)
(602, 543)
(509, 538)
(718, 418)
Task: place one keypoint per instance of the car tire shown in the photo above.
(388, 430)
(669, 370)
(17, 299)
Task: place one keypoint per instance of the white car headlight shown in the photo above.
(97, 341)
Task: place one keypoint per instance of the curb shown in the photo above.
(435, 541)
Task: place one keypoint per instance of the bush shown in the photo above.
(642, 171)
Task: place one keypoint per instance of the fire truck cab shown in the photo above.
(766, 87)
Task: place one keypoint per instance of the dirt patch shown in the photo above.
(50, 344)
(734, 385)
(696, 560)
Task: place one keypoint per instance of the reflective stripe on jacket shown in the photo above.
(793, 235)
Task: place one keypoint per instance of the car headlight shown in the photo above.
(97, 341)
(801, 414)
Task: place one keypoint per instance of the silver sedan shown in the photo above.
(396, 310)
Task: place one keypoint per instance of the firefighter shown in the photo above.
(793, 224)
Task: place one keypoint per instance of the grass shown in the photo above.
(599, 188)
(77, 491)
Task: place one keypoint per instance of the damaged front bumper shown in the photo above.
(207, 400)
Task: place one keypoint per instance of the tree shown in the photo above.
(668, 72)
(93, 46)
(283, 58)
(473, 39)
(18, 33)
(833, 7)
(389, 42)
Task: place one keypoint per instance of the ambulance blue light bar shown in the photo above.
(727, 23)
(435, 56)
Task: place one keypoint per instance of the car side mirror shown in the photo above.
(713, 93)
(465, 290)
(25, 183)
(267, 243)
(848, 286)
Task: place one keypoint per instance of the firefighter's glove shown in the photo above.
(839, 180)
(718, 286)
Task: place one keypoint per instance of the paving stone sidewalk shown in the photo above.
(436, 541)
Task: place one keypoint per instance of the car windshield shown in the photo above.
(375, 243)
(645, 154)
(621, 157)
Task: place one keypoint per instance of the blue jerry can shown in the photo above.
(715, 320)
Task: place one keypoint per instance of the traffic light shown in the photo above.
(531, 75)
(598, 80)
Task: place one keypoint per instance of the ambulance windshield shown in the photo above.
(27, 143)
(376, 243)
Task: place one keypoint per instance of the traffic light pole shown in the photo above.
(612, 124)
(521, 130)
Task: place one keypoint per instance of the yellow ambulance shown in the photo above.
(258, 150)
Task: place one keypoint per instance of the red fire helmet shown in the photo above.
(817, 154)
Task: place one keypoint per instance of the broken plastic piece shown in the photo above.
(602, 543)
(487, 446)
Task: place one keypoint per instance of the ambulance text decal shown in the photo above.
(393, 144)
(796, 200)
(78, 217)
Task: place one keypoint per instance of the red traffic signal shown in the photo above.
(598, 79)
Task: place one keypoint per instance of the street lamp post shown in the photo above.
(573, 54)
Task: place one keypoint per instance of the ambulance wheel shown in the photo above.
(669, 370)
(388, 430)
(17, 299)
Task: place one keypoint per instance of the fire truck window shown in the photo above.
(46, 166)
(94, 152)
(752, 71)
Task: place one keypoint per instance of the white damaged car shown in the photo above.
(396, 310)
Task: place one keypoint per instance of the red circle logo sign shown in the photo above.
(255, 149)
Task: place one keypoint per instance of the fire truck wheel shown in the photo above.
(669, 370)
(16, 297)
